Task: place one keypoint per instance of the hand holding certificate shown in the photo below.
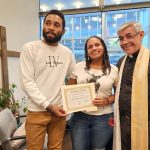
(78, 97)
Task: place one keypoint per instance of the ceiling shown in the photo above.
(46, 5)
(66, 4)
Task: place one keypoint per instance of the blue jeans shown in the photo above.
(90, 132)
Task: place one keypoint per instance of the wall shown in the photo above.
(21, 19)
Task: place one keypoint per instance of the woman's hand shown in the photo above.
(100, 101)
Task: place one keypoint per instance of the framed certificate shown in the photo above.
(78, 97)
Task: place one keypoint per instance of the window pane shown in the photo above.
(68, 32)
(41, 26)
(67, 43)
(112, 2)
(77, 27)
(116, 18)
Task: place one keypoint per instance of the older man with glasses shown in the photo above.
(132, 102)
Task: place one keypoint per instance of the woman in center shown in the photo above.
(93, 130)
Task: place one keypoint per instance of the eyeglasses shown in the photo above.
(127, 37)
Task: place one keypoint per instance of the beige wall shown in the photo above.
(21, 19)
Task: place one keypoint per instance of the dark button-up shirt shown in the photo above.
(126, 85)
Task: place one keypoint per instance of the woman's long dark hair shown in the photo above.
(105, 62)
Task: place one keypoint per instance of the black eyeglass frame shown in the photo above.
(128, 37)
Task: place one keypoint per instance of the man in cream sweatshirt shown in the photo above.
(44, 66)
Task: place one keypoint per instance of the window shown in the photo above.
(79, 27)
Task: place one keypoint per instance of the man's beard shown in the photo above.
(54, 39)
